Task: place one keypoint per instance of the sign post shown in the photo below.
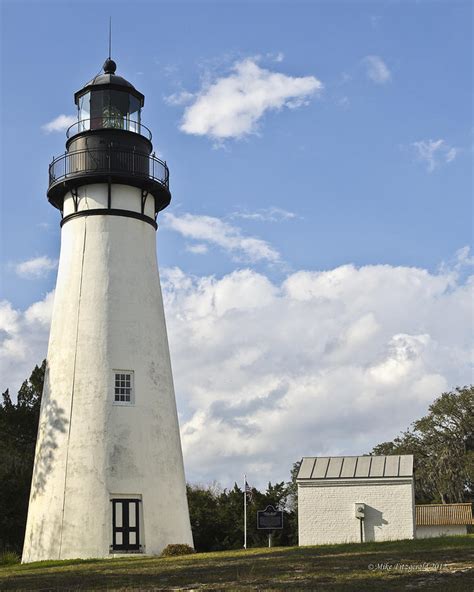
(245, 511)
(270, 519)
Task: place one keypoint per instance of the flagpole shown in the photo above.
(245, 511)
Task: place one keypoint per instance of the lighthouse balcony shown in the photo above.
(109, 164)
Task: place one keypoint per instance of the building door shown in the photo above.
(125, 525)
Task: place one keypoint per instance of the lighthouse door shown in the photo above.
(125, 525)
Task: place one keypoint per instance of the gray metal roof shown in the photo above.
(355, 467)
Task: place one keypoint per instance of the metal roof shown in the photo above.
(355, 467)
(443, 514)
(109, 80)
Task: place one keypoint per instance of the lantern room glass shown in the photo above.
(115, 109)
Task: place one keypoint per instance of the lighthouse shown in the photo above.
(108, 475)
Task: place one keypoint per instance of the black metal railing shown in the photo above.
(97, 123)
(113, 161)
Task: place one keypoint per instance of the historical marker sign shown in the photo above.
(269, 519)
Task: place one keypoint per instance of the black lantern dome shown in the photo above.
(109, 95)
(109, 142)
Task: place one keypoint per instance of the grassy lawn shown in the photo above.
(445, 564)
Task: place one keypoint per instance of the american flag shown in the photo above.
(248, 491)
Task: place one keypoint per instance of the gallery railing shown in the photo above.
(115, 161)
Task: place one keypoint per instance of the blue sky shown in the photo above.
(364, 159)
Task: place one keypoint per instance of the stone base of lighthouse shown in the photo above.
(108, 475)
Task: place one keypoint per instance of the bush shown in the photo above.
(176, 550)
(9, 558)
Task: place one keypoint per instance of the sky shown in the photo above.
(315, 259)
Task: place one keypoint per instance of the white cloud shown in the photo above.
(23, 340)
(328, 362)
(179, 98)
(376, 69)
(272, 214)
(434, 152)
(59, 124)
(231, 106)
(36, 268)
(197, 249)
(463, 257)
(275, 57)
(451, 154)
(325, 362)
(228, 237)
(459, 265)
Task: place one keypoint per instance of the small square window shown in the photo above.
(123, 387)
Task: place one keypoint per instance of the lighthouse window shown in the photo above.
(84, 112)
(109, 109)
(123, 387)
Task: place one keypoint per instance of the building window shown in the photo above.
(123, 387)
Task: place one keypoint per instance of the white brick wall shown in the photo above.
(425, 532)
(326, 511)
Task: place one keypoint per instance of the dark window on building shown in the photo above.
(123, 387)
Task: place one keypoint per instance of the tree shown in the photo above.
(203, 513)
(217, 516)
(18, 431)
(442, 443)
(292, 505)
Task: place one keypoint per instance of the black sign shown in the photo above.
(269, 518)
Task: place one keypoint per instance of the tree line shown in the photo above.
(442, 443)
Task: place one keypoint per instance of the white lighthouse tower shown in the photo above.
(108, 475)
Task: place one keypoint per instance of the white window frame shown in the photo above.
(132, 388)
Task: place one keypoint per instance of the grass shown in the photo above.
(445, 564)
(9, 558)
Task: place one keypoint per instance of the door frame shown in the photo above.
(126, 529)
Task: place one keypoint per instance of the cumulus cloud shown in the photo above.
(434, 152)
(59, 123)
(215, 231)
(231, 106)
(323, 362)
(23, 340)
(36, 268)
(326, 362)
(376, 69)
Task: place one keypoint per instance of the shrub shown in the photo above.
(175, 550)
(9, 558)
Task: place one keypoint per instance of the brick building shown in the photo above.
(352, 498)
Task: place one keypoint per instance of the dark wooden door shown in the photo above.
(125, 524)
